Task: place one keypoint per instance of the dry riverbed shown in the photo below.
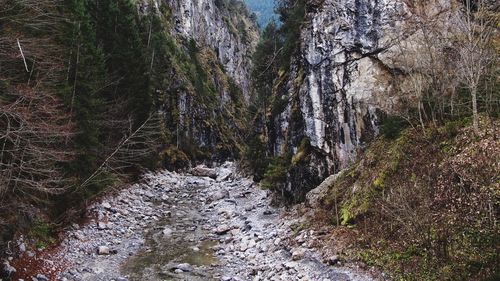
(205, 225)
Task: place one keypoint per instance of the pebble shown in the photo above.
(106, 205)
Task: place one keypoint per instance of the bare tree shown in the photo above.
(428, 79)
(476, 29)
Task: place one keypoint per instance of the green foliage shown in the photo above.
(266, 67)
(42, 234)
(255, 154)
(275, 176)
(291, 14)
(392, 126)
(118, 32)
(271, 60)
(105, 69)
(174, 158)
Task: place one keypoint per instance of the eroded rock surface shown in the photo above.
(343, 79)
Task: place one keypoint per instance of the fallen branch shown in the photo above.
(118, 148)
(22, 54)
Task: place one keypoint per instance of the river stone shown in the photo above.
(298, 254)
(102, 225)
(41, 277)
(332, 260)
(251, 243)
(222, 229)
(220, 194)
(103, 250)
(7, 270)
(167, 232)
(22, 247)
(203, 171)
(185, 267)
(224, 174)
(290, 264)
(106, 205)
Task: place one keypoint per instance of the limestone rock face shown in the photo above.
(208, 24)
(341, 80)
(208, 74)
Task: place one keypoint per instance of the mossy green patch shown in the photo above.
(42, 234)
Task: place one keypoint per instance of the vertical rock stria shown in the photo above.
(209, 87)
(216, 27)
(341, 80)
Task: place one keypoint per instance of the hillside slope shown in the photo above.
(421, 205)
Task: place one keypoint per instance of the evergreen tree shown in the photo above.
(86, 77)
(118, 32)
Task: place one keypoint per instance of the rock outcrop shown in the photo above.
(341, 81)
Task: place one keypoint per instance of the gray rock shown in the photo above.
(102, 225)
(251, 243)
(41, 277)
(106, 205)
(185, 267)
(7, 269)
(313, 197)
(290, 264)
(203, 171)
(222, 229)
(332, 260)
(103, 250)
(220, 194)
(167, 232)
(80, 236)
(224, 174)
(22, 247)
(298, 254)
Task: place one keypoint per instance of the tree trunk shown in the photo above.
(420, 116)
(475, 116)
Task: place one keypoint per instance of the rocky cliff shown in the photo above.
(207, 67)
(342, 80)
(225, 28)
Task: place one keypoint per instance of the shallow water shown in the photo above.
(185, 242)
